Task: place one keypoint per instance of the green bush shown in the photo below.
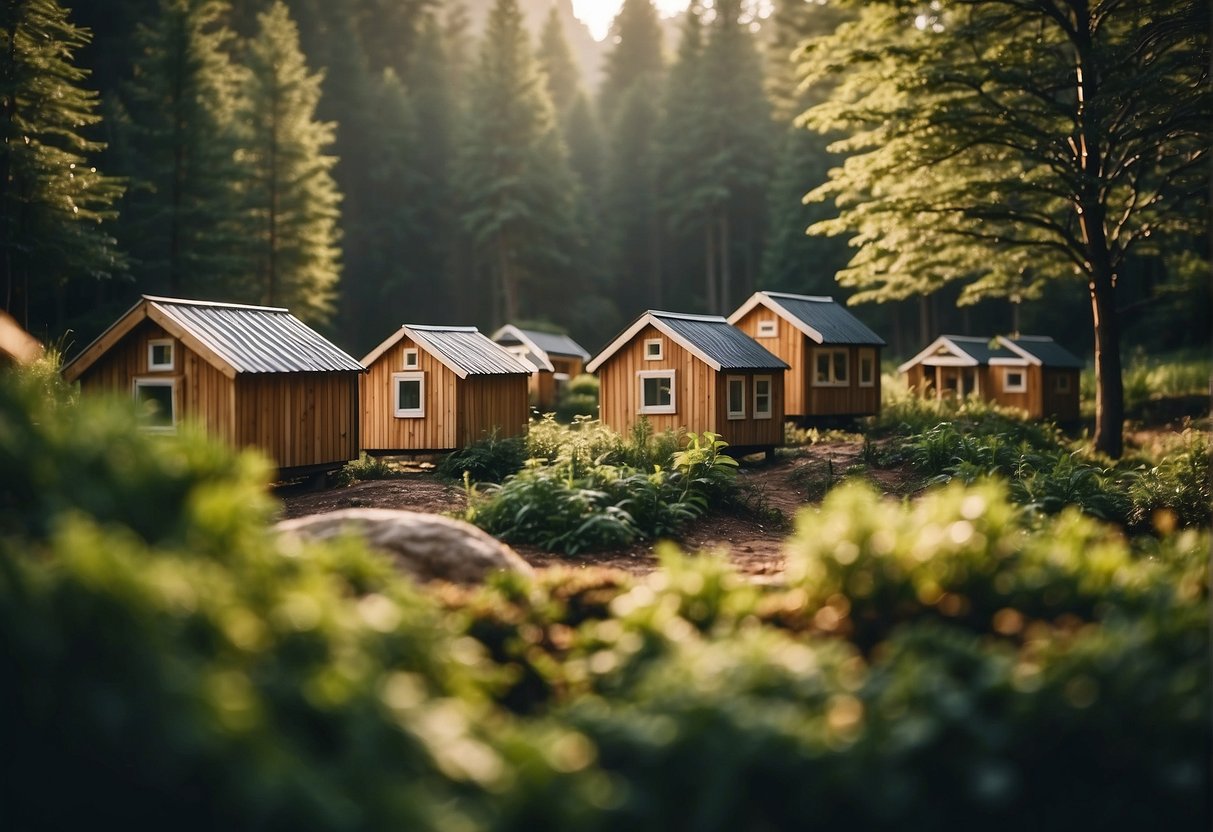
(579, 398)
(490, 459)
(1175, 492)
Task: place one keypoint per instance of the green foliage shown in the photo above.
(490, 459)
(1175, 492)
(1148, 379)
(580, 398)
(367, 467)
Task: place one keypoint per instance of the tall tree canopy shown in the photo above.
(1006, 142)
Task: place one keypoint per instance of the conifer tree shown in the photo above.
(53, 201)
(636, 56)
(556, 63)
(293, 201)
(181, 219)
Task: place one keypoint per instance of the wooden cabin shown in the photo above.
(17, 347)
(556, 359)
(253, 376)
(1030, 372)
(440, 388)
(833, 357)
(695, 373)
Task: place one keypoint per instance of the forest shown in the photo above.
(373, 162)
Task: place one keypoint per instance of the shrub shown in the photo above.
(1175, 492)
(579, 398)
(490, 459)
(367, 467)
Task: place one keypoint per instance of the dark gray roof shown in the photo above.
(1050, 353)
(724, 343)
(256, 339)
(554, 344)
(982, 349)
(831, 319)
(468, 349)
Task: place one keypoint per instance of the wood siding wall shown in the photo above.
(788, 344)
(488, 403)
(299, 419)
(382, 430)
(700, 395)
(544, 396)
(1040, 400)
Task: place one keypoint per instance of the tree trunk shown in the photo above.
(509, 281)
(1109, 385)
(710, 265)
(655, 287)
(924, 319)
(726, 267)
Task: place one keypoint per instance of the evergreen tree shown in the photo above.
(636, 36)
(181, 217)
(52, 200)
(631, 200)
(556, 63)
(292, 197)
(512, 174)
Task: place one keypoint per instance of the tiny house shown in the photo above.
(556, 358)
(1032, 373)
(253, 376)
(692, 372)
(833, 357)
(440, 388)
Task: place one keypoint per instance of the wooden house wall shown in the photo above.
(298, 419)
(750, 431)
(382, 430)
(789, 345)
(541, 387)
(204, 394)
(1061, 406)
(848, 400)
(1028, 401)
(487, 403)
(1039, 400)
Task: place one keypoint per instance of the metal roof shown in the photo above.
(980, 349)
(1048, 351)
(554, 344)
(256, 339)
(827, 317)
(467, 351)
(723, 343)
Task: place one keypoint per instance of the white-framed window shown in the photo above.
(161, 355)
(653, 350)
(867, 368)
(1061, 383)
(768, 328)
(408, 395)
(735, 385)
(157, 402)
(762, 397)
(831, 367)
(1014, 380)
(411, 361)
(657, 391)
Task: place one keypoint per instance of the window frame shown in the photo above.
(411, 352)
(408, 412)
(654, 342)
(870, 356)
(658, 409)
(770, 383)
(728, 397)
(1022, 387)
(768, 328)
(1061, 383)
(152, 366)
(832, 379)
(174, 404)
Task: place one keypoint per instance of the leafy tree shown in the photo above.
(1005, 143)
(292, 197)
(182, 215)
(511, 170)
(52, 199)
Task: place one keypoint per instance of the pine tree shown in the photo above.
(556, 63)
(292, 198)
(636, 56)
(512, 174)
(52, 200)
(181, 218)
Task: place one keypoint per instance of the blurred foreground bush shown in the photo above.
(954, 663)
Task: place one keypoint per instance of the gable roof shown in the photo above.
(710, 338)
(540, 344)
(463, 350)
(1043, 350)
(821, 318)
(974, 351)
(234, 338)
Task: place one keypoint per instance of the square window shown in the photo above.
(762, 397)
(831, 367)
(408, 394)
(1014, 381)
(410, 359)
(768, 328)
(160, 354)
(652, 349)
(657, 392)
(736, 397)
(157, 402)
(867, 368)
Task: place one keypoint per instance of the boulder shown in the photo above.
(426, 546)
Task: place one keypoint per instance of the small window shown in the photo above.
(768, 328)
(867, 368)
(831, 368)
(157, 402)
(652, 349)
(657, 391)
(160, 354)
(762, 397)
(1062, 384)
(736, 389)
(1014, 381)
(409, 395)
(411, 361)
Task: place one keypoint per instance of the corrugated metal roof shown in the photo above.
(831, 319)
(257, 339)
(724, 343)
(468, 349)
(554, 344)
(1050, 353)
(980, 348)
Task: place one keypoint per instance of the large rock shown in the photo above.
(427, 546)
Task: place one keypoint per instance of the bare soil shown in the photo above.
(752, 538)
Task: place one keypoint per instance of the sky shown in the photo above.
(598, 14)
